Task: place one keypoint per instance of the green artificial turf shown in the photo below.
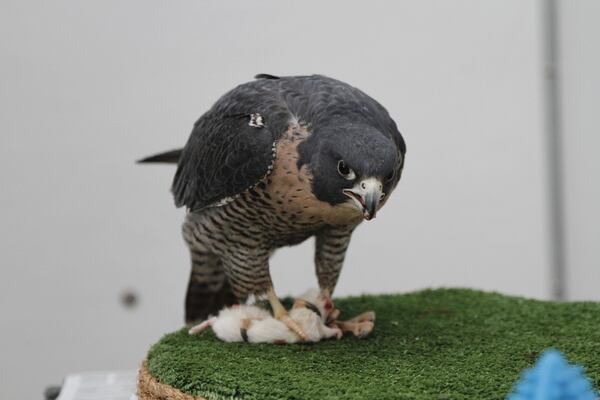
(432, 344)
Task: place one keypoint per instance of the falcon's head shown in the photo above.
(353, 164)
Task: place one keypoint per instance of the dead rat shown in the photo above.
(250, 323)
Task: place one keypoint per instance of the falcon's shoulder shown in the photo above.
(231, 147)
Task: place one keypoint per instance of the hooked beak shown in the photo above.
(366, 195)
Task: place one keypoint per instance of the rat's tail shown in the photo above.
(201, 327)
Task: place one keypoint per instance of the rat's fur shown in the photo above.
(261, 327)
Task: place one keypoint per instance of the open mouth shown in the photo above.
(359, 199)
(356, 197)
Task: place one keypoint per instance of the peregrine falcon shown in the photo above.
(274, 162)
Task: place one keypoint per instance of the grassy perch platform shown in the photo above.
(433, 344)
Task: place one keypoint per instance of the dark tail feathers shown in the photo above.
(169, 157)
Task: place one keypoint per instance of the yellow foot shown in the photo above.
(293, 325)
(281, 314)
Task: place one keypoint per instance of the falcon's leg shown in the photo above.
(279, 310)
(248, 273)
(281, 314)
(247, 268)
(331, 246)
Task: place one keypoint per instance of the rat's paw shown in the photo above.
(359, 329)
(338, 333)
(367, 316)
(363, 329)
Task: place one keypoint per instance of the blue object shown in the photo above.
(553, 378)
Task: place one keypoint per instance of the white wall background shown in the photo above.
(88, 87)
(579, 43)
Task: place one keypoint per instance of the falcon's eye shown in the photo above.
(345, 170)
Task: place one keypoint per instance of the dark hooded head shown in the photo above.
(352, 163)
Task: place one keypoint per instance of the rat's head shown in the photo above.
(317, 298)
(355, 165)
